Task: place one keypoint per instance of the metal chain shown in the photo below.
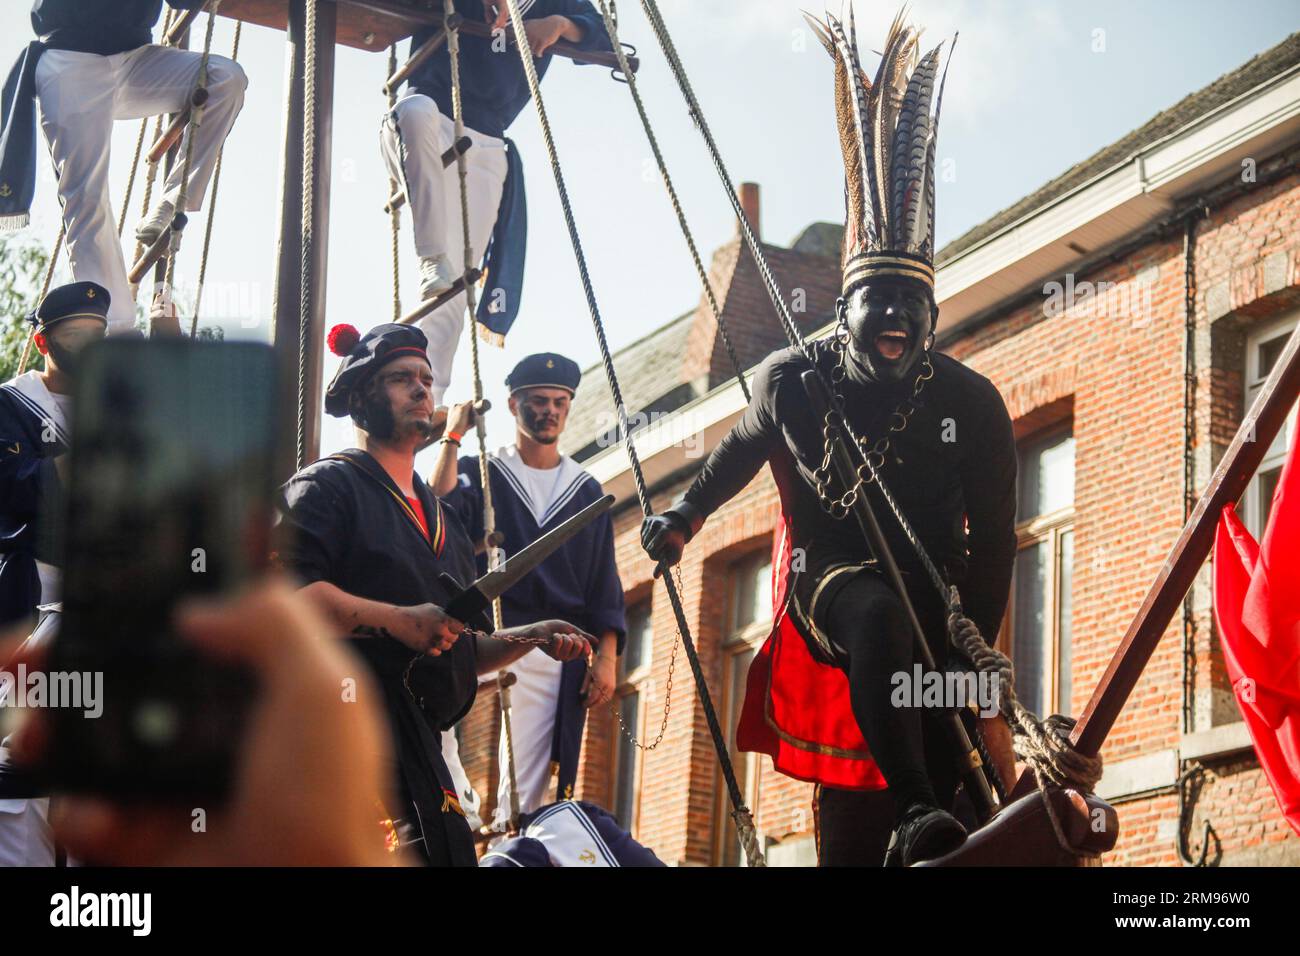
(679, 612)
(212, 207)
(668, 695)
(873, 456)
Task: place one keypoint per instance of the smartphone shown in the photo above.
(168, 495)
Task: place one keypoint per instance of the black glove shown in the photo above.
(664, 536)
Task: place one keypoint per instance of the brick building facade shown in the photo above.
(1075, 303)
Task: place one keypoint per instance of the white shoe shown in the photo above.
(149, 229)
(436, 276)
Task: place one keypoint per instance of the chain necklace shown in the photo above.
(873, 454)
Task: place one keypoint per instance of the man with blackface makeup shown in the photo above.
(374, 549)
(940, 438)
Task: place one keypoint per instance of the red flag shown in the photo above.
(797, 709)
(1257, 606)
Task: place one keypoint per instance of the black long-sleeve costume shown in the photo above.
(952, 470)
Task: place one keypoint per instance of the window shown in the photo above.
(633, 669)
(1263, 348)
(1039, 617)
(748, 621)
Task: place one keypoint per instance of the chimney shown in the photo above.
(753, 208)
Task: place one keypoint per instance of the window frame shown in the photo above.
(626, 685)
(748, 638)
(1254, 509)
(1049, 529)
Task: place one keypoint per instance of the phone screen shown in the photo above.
(169, 495)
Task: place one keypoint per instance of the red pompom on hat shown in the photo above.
(343, 339)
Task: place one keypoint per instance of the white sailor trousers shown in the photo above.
(81, 95)
(413, 136)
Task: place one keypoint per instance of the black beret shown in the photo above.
(363, 355)
(77, 300)
(545, 370)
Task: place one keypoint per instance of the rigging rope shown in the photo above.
(744, 820)
(212, 207)
(468, 262)
(610, 16)
(308, 224)
(394, 212)
(195, 121)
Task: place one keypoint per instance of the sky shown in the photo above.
(1034, 88)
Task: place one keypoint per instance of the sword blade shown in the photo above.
(492, 585)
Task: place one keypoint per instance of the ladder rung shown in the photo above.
(429, 305)
(398, 199)
(157, 250)
(182, 25)
(428, 49)
(172, 134)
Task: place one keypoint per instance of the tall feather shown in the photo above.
(873, 227)
(911, 138)
(857, 208)
(884, 105)
(927, 244)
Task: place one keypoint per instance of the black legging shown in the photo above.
(866, 618)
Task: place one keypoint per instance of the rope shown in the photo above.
(212, 207)
(135, 166)
(395, 213)
(471, 304)
(1043, 745)
(308, 227)
(168, 19)
(503, 695)
(610, 16)
(752, 851)
(191, 128)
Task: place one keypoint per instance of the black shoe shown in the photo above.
(925, 833)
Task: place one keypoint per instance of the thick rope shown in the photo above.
(394, 212)
(609, 15)
(308, 235)
(191, 130)
(471, 304)
(1043, 745)
(212, 208)
(748, 838)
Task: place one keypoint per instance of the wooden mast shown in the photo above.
(287, 299)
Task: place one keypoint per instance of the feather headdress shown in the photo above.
(887, 132)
